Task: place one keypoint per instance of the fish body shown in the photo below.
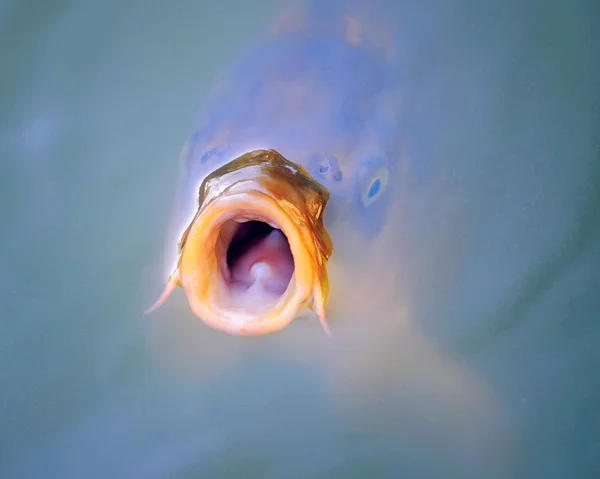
(322, 89)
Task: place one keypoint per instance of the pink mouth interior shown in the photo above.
(259, 262)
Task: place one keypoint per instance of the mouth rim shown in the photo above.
(259, 176)
(200, 271)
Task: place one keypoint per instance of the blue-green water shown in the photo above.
(502, 263)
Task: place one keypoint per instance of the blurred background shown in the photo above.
(96, 101)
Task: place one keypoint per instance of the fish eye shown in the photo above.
(212, 154)
(374, 186)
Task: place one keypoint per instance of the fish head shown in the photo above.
(294, 175)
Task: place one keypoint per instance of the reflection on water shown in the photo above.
(491, 368)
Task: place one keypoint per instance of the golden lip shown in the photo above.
(262, 186)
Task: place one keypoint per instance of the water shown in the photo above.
(97, 98)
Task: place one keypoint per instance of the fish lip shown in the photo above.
(269, 185)
(201, 276)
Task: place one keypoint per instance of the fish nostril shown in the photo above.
(326, 168)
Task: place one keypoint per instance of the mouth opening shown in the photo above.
(255, 253)
(255, 262)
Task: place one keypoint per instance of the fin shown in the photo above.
(169, 288)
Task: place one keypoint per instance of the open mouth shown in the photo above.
(245, 266)
(256, 265)
(255, 254)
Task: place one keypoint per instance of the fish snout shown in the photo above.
(255, 255)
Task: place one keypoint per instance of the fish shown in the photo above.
(292, 178)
